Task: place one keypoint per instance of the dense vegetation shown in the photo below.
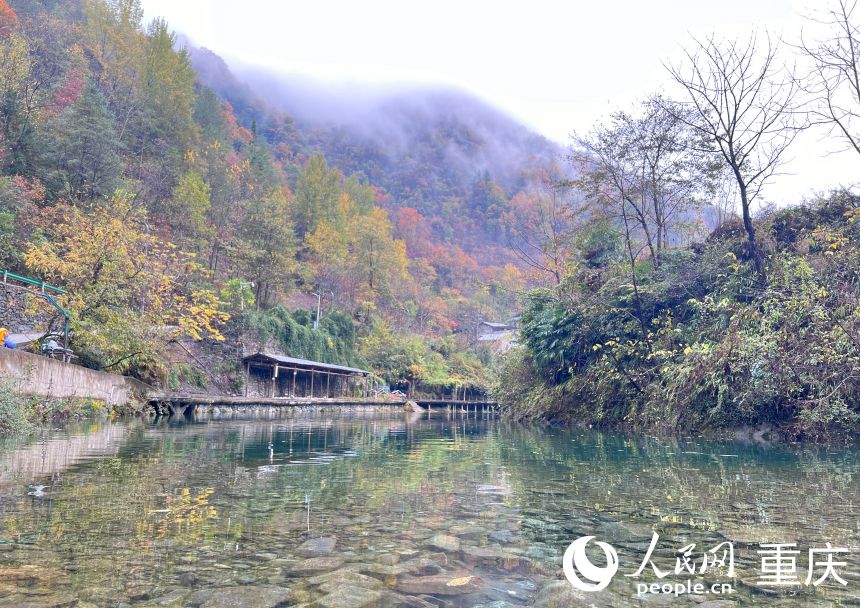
(703, 342)
(654, 321)
(168, 212)
(172, 201)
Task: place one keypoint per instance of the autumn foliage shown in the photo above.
(8, 18)
(164, 208)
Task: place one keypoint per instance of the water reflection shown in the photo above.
(382, 509)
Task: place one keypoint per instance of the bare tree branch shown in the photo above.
(744, 108)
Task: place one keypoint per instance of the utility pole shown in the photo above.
(319, 301)
(243, 285)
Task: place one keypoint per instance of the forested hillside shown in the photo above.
(169, 199)
(446, 154)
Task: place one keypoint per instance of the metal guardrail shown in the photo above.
(41, 284)
(44, 288)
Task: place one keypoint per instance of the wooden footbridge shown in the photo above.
(175, 404)
(274, 380)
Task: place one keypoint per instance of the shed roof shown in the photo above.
(495, 325)
(284, 360)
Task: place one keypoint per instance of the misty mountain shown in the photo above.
(422, 146)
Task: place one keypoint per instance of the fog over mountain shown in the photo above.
(419, 143)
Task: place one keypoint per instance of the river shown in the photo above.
(378, 508)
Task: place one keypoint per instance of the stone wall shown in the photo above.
(21, 311)
(45, 377)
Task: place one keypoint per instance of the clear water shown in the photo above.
(446, 511)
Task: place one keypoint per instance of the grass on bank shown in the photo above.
(22, 414)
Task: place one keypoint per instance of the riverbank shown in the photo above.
(22, 414)
(700, 339)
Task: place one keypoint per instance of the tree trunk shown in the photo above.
(754, 251)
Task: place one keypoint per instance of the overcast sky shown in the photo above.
(555, 65)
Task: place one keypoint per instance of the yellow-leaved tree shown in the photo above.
(129, 291)
(354, 256)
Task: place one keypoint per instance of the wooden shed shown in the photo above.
(271, 375)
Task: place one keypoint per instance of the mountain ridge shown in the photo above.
(421, 145)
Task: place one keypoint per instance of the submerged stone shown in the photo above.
(200, 597)
(263, 596)
(440, 584)
(317, 547)
(561, 594)
(173, 598)
(349, 596)
(496, 557)
(56, 601)
(443, 542)
(471, 532)
(331, 580)
(421, 565)
(315, 565)
(389, 559)
(188, 579)
(504, 537)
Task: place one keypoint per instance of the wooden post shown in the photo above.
(293, 392)
(274, 377)
(312, 384)
(247, 376)
(327, 383)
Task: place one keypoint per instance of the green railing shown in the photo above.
(44, 288)
(41, 284)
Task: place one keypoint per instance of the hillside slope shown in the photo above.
(442, 151)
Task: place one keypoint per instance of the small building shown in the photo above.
(271, 375)
(500, 337)
(489, 327)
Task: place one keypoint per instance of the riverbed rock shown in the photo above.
(423, 566)
(480, 555)
(444, 542)
(349, 596)
(468, 531)
(395, 600)
(316, 565)
(495, 556)
(173, 598)
(200, 597)
(188, 579)
(503, 537)
(388, 559)
(331, 580)
(383, 570)
(440, 584)
(262, 596)
(54, 601)
(561, 594)
(317, 547)
(289, 521)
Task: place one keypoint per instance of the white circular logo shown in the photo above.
(599, 577)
